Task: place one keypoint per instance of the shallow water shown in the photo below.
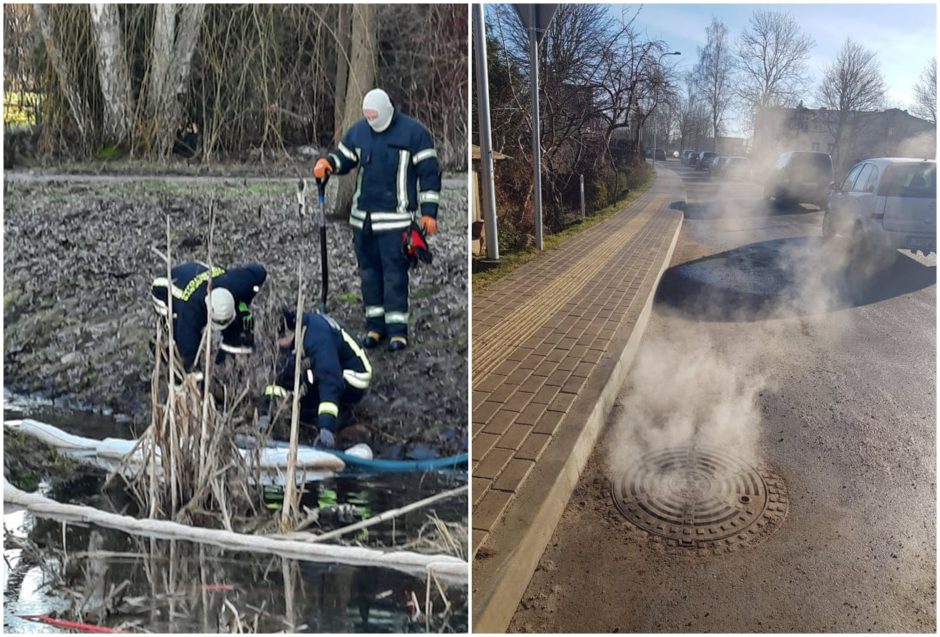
(162, 585)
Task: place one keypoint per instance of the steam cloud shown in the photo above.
(687, 387)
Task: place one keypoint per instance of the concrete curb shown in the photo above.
(549, 487)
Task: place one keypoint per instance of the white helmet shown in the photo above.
(377, 109)
(221, 307)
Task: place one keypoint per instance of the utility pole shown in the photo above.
(536, 128)
(536, 17)
(582, 197)
(658, 62)
(486, 142)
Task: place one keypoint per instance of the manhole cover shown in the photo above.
(700, 498)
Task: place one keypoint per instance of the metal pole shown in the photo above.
(536, 134)
(486, 142)
(654, 140)
(582, 197)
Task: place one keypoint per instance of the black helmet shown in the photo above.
(288, 322)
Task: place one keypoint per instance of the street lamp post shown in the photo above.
(658, 62)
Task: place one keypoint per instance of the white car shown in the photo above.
(886, 203)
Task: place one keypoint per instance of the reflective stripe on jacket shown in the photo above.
(398, 173)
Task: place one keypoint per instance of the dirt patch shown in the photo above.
(79, 262)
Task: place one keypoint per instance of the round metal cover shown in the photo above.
(699, 497)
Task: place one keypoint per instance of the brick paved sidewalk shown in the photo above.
(549, 343)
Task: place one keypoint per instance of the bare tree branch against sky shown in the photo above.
(902, 35)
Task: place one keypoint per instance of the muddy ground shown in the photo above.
(79, 260)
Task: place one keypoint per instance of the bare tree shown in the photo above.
(68, 82)
(925, 93)
(343, 33)
(113, 75)
(633, 84)
(771, 61)
(361, 79)
(175, 33)
(655, 93)
(714, 71)
(850, 86)
(578, 57)
(693, 119)
(231, 78)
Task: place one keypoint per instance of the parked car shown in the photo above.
(660, 154)
(736, 169)
(800, 177)
(703, 158)
(687, 157)
(716, 165)
(885, 204)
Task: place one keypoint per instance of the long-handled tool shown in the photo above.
(324, 267)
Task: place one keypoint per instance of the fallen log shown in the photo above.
(443, 566)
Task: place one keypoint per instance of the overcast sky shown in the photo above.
(903, 35)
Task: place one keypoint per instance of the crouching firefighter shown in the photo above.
(338, 376)
(394, 154)
(226, 308)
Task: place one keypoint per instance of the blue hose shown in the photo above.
(381, 465)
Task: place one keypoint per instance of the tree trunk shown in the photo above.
(361, 80)
(342, 68)
(77, 107)
(170, 64)
(113, 75)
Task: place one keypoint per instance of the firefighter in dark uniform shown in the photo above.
(338, 376)
(227, 305)
(398, 174)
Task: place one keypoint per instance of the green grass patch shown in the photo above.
(511, 260)
(111, 153)
(267, 189)
(350, 298)
(423, 293)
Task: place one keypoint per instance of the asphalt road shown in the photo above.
(765, 345)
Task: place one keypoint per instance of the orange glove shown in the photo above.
(429, 223)
(322, 169)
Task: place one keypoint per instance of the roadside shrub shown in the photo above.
(595, 195)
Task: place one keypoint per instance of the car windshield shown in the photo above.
(910, 180)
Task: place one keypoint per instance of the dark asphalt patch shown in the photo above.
(784, 278)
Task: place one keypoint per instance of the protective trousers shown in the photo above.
(383, 270)
(310, 401)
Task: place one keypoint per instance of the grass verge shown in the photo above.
(512, 260)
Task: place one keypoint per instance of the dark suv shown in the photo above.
(704, 158)
(800, 177)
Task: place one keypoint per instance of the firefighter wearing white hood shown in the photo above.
(399, 180)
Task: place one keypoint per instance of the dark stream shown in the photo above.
(109, 578)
